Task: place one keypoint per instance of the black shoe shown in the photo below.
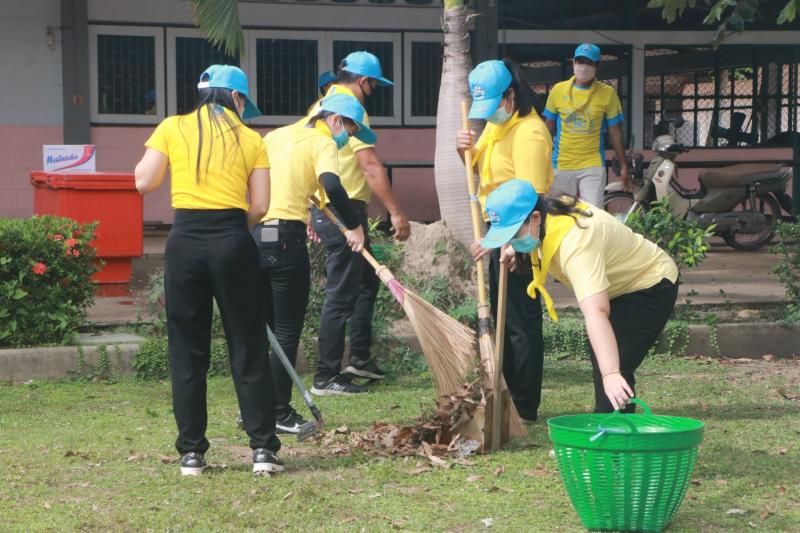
(290, 424)
(336, 385)
(266, 461)
(192, 464)
(367, 370)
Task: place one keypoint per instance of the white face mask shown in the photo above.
(584, 73)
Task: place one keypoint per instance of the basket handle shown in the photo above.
(601, 430)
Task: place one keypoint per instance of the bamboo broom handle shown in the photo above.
(474, 207)
(368, 256)
(500, 335)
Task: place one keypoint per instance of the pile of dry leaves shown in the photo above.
(433, 435)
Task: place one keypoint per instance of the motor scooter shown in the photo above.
(741, 201)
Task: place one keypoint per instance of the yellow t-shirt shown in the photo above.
(582, 120)
(298, 155)
(523, 152)
(606, 254)
(225, 162)
(349, 170)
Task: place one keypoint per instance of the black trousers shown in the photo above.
(523, 353)
(638, 319)
(351, 288)
(286, 274)
(210, 254)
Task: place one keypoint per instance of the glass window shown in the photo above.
(192, 56)
(381, 103)
(126, 75)
(286, 76)
(426, 76)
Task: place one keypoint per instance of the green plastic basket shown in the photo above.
(626, 472)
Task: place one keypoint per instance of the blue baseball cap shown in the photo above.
(487, 83)
(349, 107)
(507, 207)
(232, 78)
(365, 64)
(325, 78)
(589, 51)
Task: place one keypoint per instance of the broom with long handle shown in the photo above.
(500, 336)
(516, 429)
(448, 345)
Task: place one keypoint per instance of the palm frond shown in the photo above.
(219, 22)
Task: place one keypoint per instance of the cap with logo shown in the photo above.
(349, 107)
(507, 207)
(232, 78)
(589, 51)
(325, 78)
(365, 64)
(487, 83)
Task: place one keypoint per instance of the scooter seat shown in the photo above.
(739, 175)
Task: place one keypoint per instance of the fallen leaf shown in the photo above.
(374, 496)
(766, 514)
(500, 470)
(288, 495)
(166, 459)
(70, 453)
(342, 430)
(751, 524)
(355, 491)
(487, 522)
(399, 523)
(46, 505)
(696, 481)
(781, 490)
(350, 519)
(769, 358)
(395, 406)
(788, 396)
(735, 511)
(782, 451)
(472, 479)
(438, 461)
(703, 406)
(136, 457)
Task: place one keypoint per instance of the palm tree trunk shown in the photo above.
(451, 184)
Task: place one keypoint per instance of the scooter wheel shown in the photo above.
(768, 206)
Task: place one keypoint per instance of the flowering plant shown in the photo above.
(46, 265)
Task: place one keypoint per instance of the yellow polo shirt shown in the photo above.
(523, 152)
(227, 158)
(349, 170)
(299, 155)
(582, 117)
(607, 254)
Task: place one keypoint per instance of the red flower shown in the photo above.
(75, 253)
(39, 269)
(71, 242)
(58, 237)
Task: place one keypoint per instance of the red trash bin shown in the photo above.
(106, 197)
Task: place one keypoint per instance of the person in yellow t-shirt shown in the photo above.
(626, 286)
(351, 286)
(579, 112)
(304, 164)
(514, 144)
(214, 161)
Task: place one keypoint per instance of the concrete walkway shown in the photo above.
(726, 277)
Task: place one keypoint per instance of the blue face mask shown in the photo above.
(341, 138)
(500, 116)
(525, 244)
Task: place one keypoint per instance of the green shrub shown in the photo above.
(566, 338)
(788, 267)
(152, 360)
(46, 264)
(684, 240)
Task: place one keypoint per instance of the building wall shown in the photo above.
(30, 97)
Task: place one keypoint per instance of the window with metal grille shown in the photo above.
(192, 56)
(737, 96)
(381, 103)
(126, 75)
(286, 76)
(426, 76)
(545, 65)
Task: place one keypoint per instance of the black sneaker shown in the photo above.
(266, 461)
(290, 424)
(336, 385)
(367, 370)
(192, 464)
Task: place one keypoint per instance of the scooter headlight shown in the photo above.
(661, 143)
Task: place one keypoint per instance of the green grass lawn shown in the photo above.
(82, 456)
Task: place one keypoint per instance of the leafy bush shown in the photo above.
(788, 267)
(152, 359)
(46, 264)
(684, 240)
